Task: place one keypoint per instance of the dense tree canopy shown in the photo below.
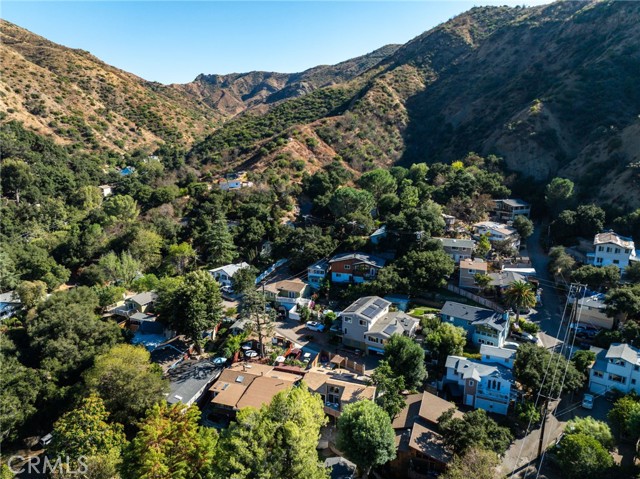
(365, 435)
(405, 357)
(193, 306)
(474, 429)
(127, 382)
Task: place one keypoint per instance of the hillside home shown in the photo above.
(190, 379)
(449, 221)
(355, 267)
(481, 386)
(611, 248)
(468, 270)
(106, 190)
(317, 272)
(420, 449)
(496, 355)
(288, 293)
(483, 326)
(224, 274)
(497, 232)
(507, 210)
(593, 311)
(367, 324)
(337, 389)
(244, 385)
(378, 235)
(457, 249)
(139, 303)
(615, 368)
(502, 280)
(9, 304)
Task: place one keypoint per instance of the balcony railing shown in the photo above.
(493, 395)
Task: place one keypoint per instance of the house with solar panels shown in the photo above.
(368, 323)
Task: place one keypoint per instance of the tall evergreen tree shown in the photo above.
(216, 240)
(171, 445)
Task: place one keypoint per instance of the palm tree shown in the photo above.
(520, 295)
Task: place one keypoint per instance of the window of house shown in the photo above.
(362, 322)
(627, 251)
(636, 367)
(633, 381)
(347, 266)
(338, 275)
(470, 382)
(600, 248)
(347, 320)
(599, 260)
(617, 379)
(598, 374)
(345, 331)
(617, 250)
(608, 249)
(615, 261)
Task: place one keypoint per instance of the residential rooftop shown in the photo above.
(610, 237)
(368, 306)
(370, 259)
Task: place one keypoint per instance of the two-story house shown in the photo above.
(507, 210)
(317, 272)
(224, 274)
(468, 269)
(355, 267)
(483, 326)
(139, 303)
(497, 232)
(458, 249)
(615, 368)
(288, 293)
(368, 323)
(611, 248)
(481, 386)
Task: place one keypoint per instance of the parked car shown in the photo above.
(315, 326)
(587, 401)
(524, 336)
(221, 361)
(510, 345)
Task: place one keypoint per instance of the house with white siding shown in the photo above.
(481, 386)
(615, 368)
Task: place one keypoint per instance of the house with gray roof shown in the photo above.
(481, 386)
(458, 249)
(224, 274)
(9, 304)
(615, 368)
(509, 209)
(368, 323)
(190, 379)
(355, 267)
(495, 355)
(483, 326)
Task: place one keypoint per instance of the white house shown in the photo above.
(615, 368)
(497, 232)
(482, 386)
(457, 249)
(368, 323)
(495, 355)
(611, 248)
(224, 274)
(106, 190)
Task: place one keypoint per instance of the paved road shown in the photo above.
(549, 313)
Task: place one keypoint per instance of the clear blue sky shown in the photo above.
(174, 41)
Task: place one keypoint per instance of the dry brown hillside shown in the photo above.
(73, 97)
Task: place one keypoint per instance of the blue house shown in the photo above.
(483, 326)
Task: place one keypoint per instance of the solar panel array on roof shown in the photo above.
(381, 303)
(370, 311)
